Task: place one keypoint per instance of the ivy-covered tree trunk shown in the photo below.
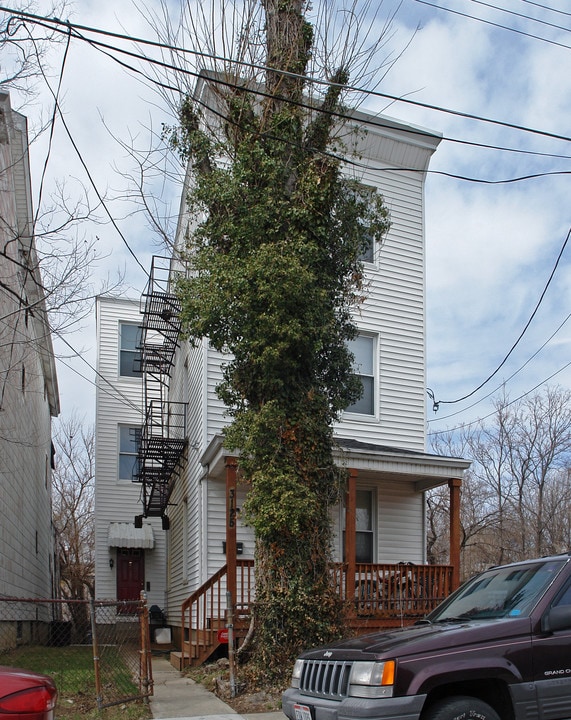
(275, 276)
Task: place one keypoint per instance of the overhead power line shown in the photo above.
(521, 15)
(545, 7)
(437, 403)
(493, 24)
(517, 399)
(64, 26)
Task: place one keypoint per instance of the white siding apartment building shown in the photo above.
(28, 389)
(128, 559)
(381, 439)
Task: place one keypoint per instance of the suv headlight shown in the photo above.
(372, 679)
(296, 674)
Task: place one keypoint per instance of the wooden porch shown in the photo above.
(377, 596)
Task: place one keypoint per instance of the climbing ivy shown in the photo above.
(275, 277)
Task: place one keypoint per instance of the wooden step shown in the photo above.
(176, 660)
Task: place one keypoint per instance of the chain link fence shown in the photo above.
(98, 652)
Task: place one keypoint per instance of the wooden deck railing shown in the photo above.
(203, 613)
(379, 595)
(388, 591)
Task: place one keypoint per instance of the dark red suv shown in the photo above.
(499, 647)
(26, 695)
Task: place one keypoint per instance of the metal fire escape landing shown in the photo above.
(163, 435)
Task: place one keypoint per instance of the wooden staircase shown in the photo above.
(204, 615)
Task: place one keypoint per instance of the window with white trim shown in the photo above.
(363, 349)
(365, 535)
(129, 440)
(129, 354)
(365, 532)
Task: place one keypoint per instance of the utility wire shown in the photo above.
(493, 24)
(489, 415)
(117, 393)
(50, 22)
(437, 403)
(92, 181)
(52, 121)
(507, 380)
(373, 122)
(521, 15)
(545, 7)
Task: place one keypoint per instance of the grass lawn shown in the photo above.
(72, 669)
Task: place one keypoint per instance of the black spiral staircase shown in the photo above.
(163, 434)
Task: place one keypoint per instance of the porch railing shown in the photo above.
(387, 591)
(203, 613)
(378, 596)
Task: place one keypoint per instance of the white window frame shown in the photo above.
(370, 189)
(373, 531)
(374, 375)
(124, 350)
(124, 453)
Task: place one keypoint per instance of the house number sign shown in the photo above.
(232, 508)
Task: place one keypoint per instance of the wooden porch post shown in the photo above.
(350, 532)
(231, 470)
(454, 485)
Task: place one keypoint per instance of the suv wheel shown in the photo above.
(461, 708)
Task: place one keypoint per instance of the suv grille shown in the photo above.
(325, 678)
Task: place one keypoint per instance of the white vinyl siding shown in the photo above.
(27, 566)
(397, 524)
(393, 314)
(119, 403)
(394, 308)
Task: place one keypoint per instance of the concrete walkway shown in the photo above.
(177, 696)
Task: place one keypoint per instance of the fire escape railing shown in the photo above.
(163, 435)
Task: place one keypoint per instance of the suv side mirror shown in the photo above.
(558, 618)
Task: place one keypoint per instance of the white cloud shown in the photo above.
(490, 248)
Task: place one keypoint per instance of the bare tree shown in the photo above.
(73, 508)
(24, 48)
(515, 498)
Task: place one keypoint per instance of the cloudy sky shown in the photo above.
(497, 198)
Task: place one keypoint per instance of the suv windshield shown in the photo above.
(503, 592)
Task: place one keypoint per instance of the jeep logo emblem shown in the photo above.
(327, 654)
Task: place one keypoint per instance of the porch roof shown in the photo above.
(126, 535)
(373, 462)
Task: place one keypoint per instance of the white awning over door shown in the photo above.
(128, 536)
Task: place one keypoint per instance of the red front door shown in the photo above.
(130, 573)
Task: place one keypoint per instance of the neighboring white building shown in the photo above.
(128, 559)
(28, 386)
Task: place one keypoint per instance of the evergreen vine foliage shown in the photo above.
(275, 276)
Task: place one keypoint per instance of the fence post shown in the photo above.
(95, 653)
(230, 627)
(145, 669)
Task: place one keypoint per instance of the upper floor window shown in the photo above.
(363, 349)
(129, 355)
(367, 254)
(129, 440)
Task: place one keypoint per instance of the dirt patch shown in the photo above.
(248, 698)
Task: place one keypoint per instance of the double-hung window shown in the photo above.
(129, 354)
(365, 530)
(129, 440)
(363, 348)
